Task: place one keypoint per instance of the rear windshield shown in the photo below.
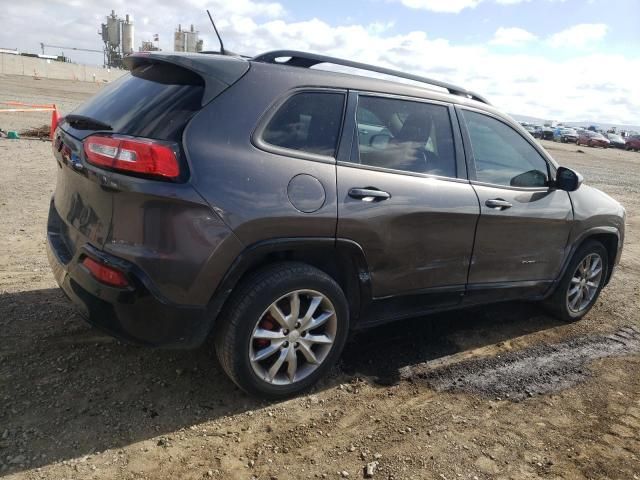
(154, 101)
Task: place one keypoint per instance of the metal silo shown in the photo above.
(127, 36)
(113, 29)
(178, 40)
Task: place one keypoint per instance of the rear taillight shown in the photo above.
(135, 155)
(105, 274)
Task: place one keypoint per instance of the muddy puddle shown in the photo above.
(538, 370)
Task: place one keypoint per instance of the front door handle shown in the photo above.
(498, 203)
(369, 194)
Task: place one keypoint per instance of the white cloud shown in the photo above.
(221, 8)
(456, 6)
(579, 36)
(445, 6)
(514, 2)
(512, 36)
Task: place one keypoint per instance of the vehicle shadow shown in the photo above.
(382, 352)
(68, 390)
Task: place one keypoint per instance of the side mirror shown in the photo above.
(567, 179)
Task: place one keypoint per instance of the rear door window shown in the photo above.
(153, 101)
(405, 135)
(308, 122)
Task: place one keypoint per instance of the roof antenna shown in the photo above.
(222, 51)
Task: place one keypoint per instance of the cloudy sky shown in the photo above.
(556, 59)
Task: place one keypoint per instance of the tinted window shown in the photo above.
(502, 156)
(309, 122)
(154, 101)
(405, 135)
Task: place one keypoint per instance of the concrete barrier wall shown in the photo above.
(43, 68)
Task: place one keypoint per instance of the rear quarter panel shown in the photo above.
(247, 186)
(171, 233)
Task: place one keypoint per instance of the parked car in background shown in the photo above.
(537, 131)
(616, 140)
(191, 205)
(592, 139)
(547, 133)
(633, 143)
(565, 135)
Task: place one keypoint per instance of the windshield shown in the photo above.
(617, 138)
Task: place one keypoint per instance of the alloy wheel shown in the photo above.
(585, 283)
(293, 337)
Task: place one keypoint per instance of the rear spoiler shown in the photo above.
(218, 71)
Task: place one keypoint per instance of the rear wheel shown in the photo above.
(282, 330)
(581, 284)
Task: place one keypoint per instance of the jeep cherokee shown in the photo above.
(276, 207)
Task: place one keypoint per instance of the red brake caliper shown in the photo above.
(266, 323)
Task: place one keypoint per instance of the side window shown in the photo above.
(502, 156)
(405, 135)
(309, 122)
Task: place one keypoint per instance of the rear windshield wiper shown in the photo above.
(86, 123)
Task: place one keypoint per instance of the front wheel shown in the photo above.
(581, 284)
(282, 330)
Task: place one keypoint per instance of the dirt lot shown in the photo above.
(500, 392)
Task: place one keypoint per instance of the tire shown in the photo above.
(559, 302)
(248, 312)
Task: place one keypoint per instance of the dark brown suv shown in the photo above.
(277, 207)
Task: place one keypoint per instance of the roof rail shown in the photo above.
(307, 60)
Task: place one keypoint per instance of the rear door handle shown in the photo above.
(498, 203)
(369, 194)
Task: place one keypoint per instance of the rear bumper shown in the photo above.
(133, 314)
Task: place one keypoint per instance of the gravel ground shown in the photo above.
(497, 392)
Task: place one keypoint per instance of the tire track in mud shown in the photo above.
(537, 370)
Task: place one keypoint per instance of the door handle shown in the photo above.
(498, 203)
(369, 194)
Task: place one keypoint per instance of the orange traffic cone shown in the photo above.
(54, 121)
